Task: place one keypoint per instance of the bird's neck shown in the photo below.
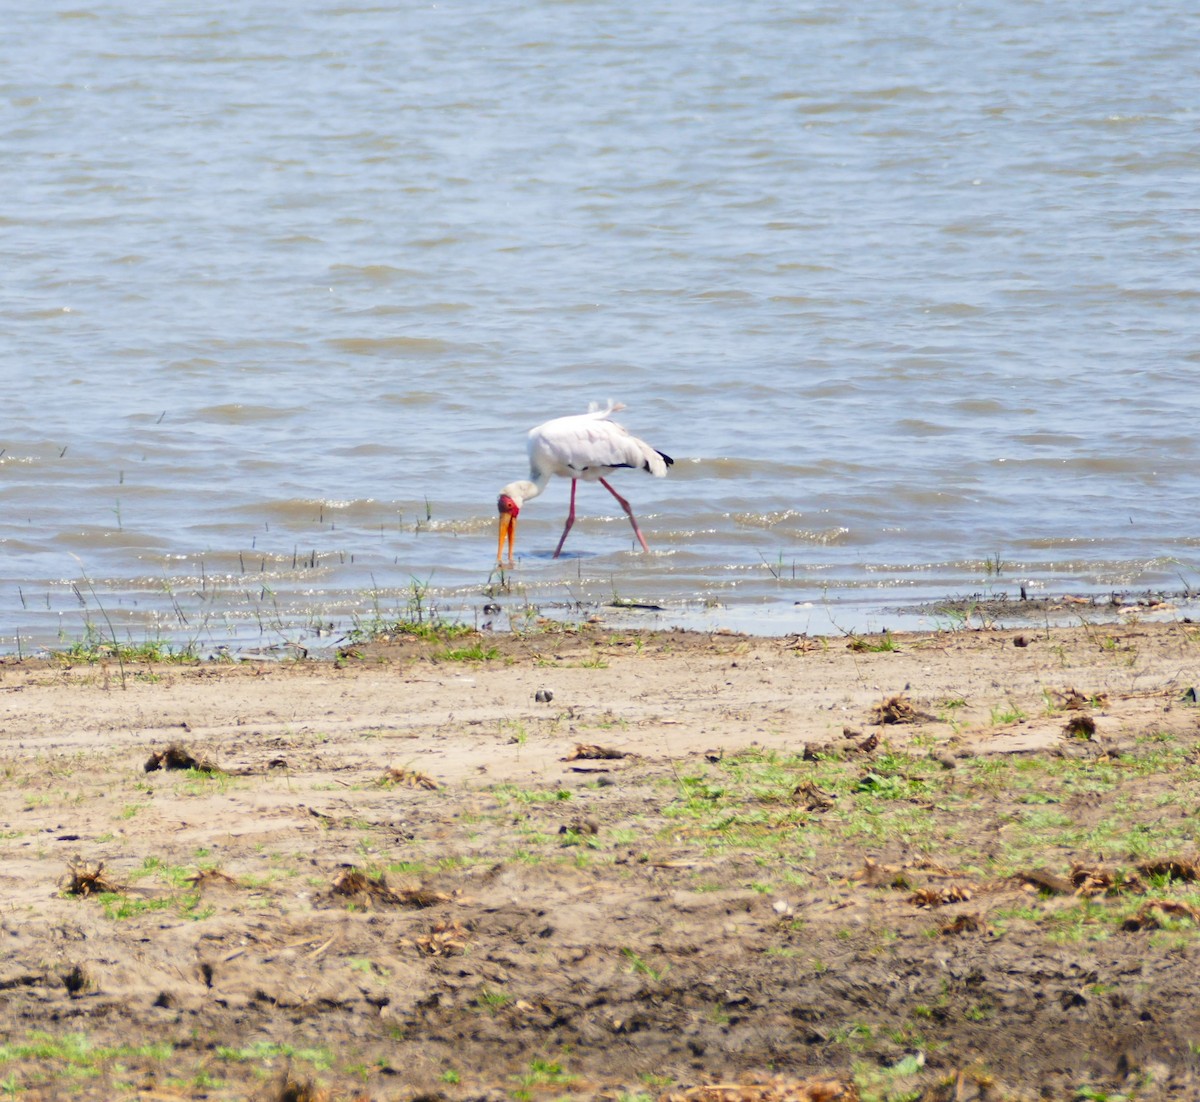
(524, 490)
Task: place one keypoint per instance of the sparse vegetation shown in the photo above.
(419, 618)
(882, 644)
(95, 648)
(705, 866)
(476, 652)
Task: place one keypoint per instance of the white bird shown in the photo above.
(587, 446)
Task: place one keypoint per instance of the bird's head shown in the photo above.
(509, 508)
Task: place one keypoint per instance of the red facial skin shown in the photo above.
(505, 504)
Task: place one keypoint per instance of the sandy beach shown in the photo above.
(596, 863)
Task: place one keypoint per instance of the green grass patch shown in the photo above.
(94, 648)
(542, 1074)
(476, 652)
(418, 619)
(492, 1001)
(78, 1053)
(319, 1058)
(505, 793)
(884, 644)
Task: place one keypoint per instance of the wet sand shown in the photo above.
(910, 866)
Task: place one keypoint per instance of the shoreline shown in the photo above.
(830, 618)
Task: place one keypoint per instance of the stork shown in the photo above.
(587, 445)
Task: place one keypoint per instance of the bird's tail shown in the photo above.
(602, 412)
(656, 462)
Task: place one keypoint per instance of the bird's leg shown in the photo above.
(570, 521)
(628, 512)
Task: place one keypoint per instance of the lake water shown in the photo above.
(908, 289)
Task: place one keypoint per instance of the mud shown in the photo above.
(414, 878)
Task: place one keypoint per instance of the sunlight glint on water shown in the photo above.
(908, 291)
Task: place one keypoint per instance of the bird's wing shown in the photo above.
(584, 446)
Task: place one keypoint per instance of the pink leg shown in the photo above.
(628, 512)
(570, 521)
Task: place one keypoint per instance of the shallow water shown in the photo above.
(907, 290)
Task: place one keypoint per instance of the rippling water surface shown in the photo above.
(909, 290)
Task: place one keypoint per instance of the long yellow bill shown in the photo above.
(508, 529)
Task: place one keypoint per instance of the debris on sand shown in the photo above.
(366, 891)
(1075, 701)
(1097, 880)
(293, 1090)
(445, 938)
(77, 980)
(898, 709)
(1046, 881)
(851, 743)
(591, 751)
(778, 1090)
(211, 878)
(1080, 726)
(407, 778)
(370, 891)
(178, 757)
(1153, 914)
(1093, 880)
(965, 924)
(1171, 868)
(322, 817)
(813, 798)
(861, 643)
(875, 875)
(803, 644)
(1090, 880)
(939, 897)
(84, 879)
(421, 897)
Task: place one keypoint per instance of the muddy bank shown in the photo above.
(608, 864)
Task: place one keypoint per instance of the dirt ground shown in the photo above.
(947, 866)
